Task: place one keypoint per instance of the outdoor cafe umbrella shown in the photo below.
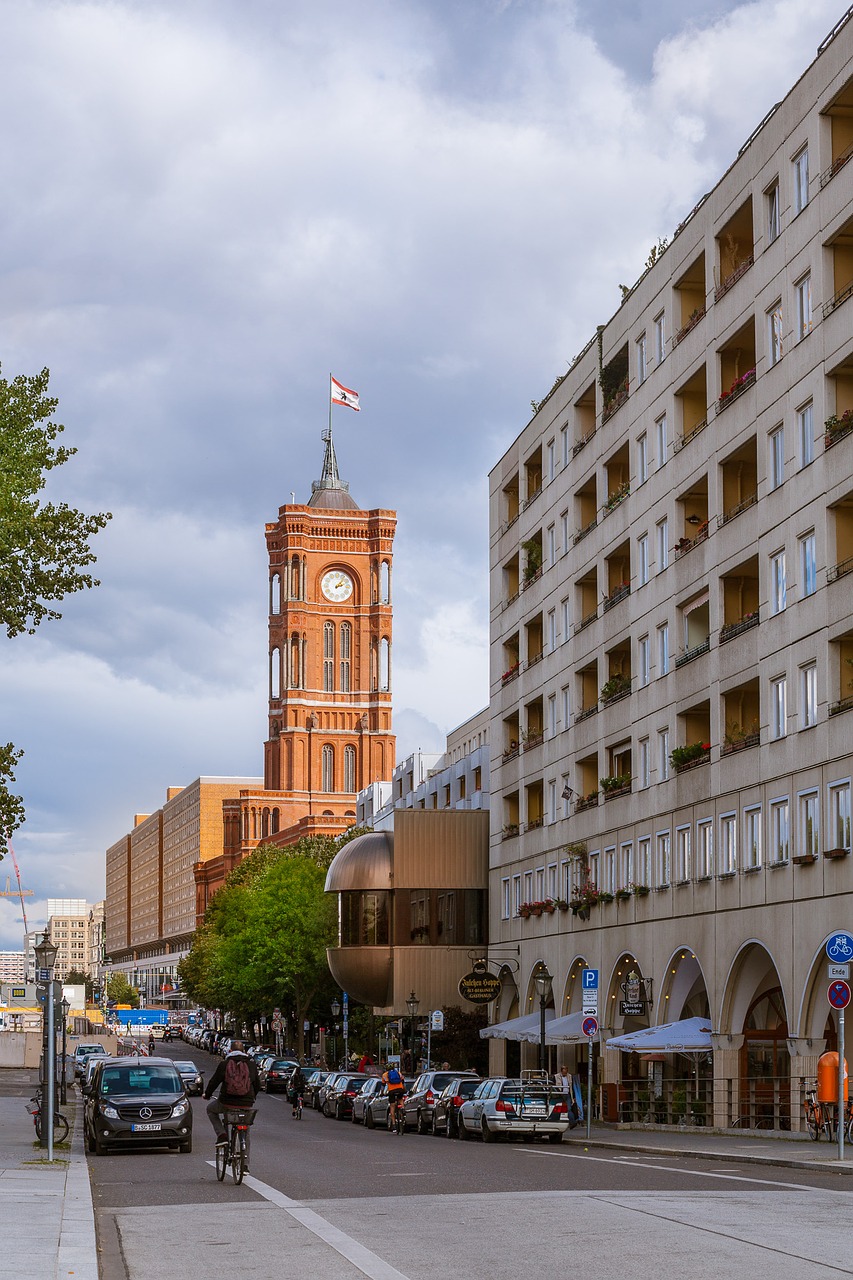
(690, 1036)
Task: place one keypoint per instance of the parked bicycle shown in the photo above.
(822, 1117)
(234, 1152)
(60, 1123)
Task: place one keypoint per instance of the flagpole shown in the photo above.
(330, 406)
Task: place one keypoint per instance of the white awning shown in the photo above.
(525, 1028)
(557, 1030)
(691, 1035)
(696, 604)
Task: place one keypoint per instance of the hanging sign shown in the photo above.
(479, 988)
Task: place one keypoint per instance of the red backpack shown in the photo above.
(238, 1081)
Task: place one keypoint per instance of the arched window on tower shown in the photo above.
(275, 593)
(384, 664)
(346, 650)
(385, 582)
(349, 768)
(295, 665)
(328, 780)
(275, 819)
(294, 593)
(329, 656)
(265, 823)
(275, 674)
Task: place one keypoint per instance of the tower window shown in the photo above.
(329, 656)
(275, 674)
(328, 780)
(275, 593)
(349, 768)
(346, 649)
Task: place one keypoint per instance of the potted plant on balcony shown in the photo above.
(533, 561)
(561, 904)
(682, 757)
(621, 491)
(524, 910)
(623, 895)
(615, 686)
(616, 782)
(837, 426)
(641, 890)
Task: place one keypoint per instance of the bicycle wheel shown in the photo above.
(238, 1159)
(221, 1161)
(37, 1123)
(813, 1124)
(60, 1127)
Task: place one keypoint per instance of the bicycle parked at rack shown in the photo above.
(822, 1117)
(234, 1152)
(60, 1123)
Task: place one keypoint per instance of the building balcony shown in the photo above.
(585, 622)
(840, 570)
(690, 654)
(582, 443)
(743, 743)
(530, 578)
(511, 674)
(694, 431)
(621, 593)
(836, 429)
(613, 788)
(697, 315)
(587, 802)
(837, 165)
(732, 279)
(689, 757)
(837, 299)
(615, 403)
(531, 498)
(844, 704)
(533, 740)
(733, 629)
(585, 713)
(738, 510)
(685, 545)
(738, 387)
(582, 533)
(619, 495)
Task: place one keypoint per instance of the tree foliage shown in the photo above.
(44, 546)
(263, 941)
(120, 991)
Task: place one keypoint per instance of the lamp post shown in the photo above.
(542, 981)
(45, 954)
(63, 1088)
(412, 1005)
(336, 1009)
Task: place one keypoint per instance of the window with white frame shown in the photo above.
(552, 629)
(505, 899)
(660, 338)
(528, 886)
(549, 459)
(778, 707)
(660, 441)
(808, 834)
(776, 440)
(808, 564)
(552, 715)
(662, 553)
(626, 865)
(609, 870)
(540, 883)
(643, 662)
(752, 837)
(565, 451)
(808, 695)
(552, 880)
(774, 212)
(805, 430)
(642, 559)
(516, 894)
(662, 858)
(642, 458)
(565, 618)
(594, 869)
(663, 649)
(551, 542)
(644, 762)
(779, 830)
(565, 880)
(801, 180)
(644, 862)
(641, 358)
(728, 843)
(838, 832)
(564, 531)
(774, 333)
(663, 754)
(778, 582)
(566, 795)
(704, 849)
(803, 290)
(682, 855)
(566, 700)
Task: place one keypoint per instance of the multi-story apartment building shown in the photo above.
(97, 943)
(672, 632)
(68, 929)
(12, 966)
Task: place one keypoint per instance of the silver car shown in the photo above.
(366, 1093)
(527, 1109)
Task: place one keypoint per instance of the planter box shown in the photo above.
(835, 853)
(804, 859)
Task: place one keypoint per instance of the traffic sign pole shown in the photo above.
(841, 1116)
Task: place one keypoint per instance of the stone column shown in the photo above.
(804, 1053)
(726, 1061)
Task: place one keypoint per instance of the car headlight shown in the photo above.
(180, 1108)
(109, 1112)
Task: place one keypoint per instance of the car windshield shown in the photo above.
(186, 1066)
(441, 1078)
(123, 1080)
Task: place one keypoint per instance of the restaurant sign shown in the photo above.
(479, 988)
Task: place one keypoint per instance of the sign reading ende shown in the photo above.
(479, 988)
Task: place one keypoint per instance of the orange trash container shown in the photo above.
(827, 1078)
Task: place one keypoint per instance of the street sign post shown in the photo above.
(589, 1027)
(839, 948)
(838, 996)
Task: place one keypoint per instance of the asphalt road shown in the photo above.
(321, 1190)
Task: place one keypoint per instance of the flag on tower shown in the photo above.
(343, 395)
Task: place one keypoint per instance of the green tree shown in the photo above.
(79, 978)
(120, 990)
(44, 546)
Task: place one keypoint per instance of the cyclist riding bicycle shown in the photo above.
(396, 1091)
(238, 1077)
(296, 1088)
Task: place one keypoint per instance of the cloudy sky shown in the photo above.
(210, 205)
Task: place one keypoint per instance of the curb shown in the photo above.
(702, 1153)
(78, 1251)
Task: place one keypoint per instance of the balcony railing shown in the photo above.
(581, 534)
(732, 279)
(613, 793)
(585, 713)
(534, 824)
(511, 674)
(837, 165)
(695, 652)
(837, 429)
(733, 629)
(837, 299)
(740, 744)
(614, 404)
(536, 657)
(588, 802)
(691, 324)
(531, 498)
(585, 622)
(840, 570)
(510, 753)
(736, 511)
(617, 496)
(845, 704)
(533, 740)
(529, 579)
(738, 387)
(691, 434)
(621, 593)
(617, 697)
(684, 545)
(582, 443)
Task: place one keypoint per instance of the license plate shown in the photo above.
(533, 1110)
(145, 1128)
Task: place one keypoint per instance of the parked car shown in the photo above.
(137, 1101)
(369, 1090)
(314, 1080)
(322, 1091)
(420, 1101)
(445, 1113)
(377, 1113)
(191, 1076)
(339, 1099)
(527, 1109)
(275, 1074)
(84, 1051)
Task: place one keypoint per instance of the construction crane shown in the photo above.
(9, 892)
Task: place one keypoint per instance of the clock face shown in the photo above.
(337, 586)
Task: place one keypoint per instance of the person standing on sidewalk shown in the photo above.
(238, 1082)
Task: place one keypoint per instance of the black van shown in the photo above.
(137, 1100)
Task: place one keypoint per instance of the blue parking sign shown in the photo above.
(589, 979)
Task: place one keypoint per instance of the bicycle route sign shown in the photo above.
(838, 994)
(839, 948)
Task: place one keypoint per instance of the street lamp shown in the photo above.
(63, 1088)
(542, 981)
(336, 1009)
(412, 1005)
(45, 954)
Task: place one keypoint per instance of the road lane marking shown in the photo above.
(696, 1173)
(369, 1263)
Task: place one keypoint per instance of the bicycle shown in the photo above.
(297, 1102)
(233, 1152)
(822, 1117)
(396, 1117)
(60, 1123)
